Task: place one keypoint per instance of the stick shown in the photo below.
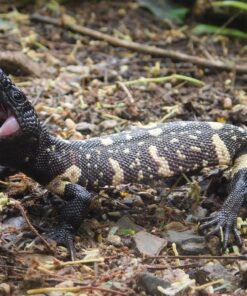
(74, 289)
(195, 257)
(147, 49)
(24, 215)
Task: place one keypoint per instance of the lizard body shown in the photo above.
(142, 154)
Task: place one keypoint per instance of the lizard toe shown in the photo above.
(64, 235)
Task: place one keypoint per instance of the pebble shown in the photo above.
(70, 124)
(215, 270)
(108, 124)
(227, 104)
(149, 244)
(86, 127)
(5, 289)
(187, 242)
(126, 222)
(115, 240)
(149, 283)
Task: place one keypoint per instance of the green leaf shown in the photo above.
(165, 9)
(235, 4)
(210, 29)
(126, 231)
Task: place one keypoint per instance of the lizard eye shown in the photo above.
(17, 96)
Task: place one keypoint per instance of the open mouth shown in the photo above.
(8, 122)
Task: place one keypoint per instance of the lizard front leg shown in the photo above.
(226, 218)
(77, 206)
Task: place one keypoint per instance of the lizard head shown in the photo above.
(17, 116)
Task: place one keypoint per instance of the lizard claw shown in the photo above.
(64, 235)
(222, 220)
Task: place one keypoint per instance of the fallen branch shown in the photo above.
(135, 46)
(18, 63)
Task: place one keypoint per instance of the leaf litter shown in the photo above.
(85, 88)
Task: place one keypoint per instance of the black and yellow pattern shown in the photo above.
(144, 154)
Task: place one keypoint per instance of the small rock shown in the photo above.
(78, 69)
(68, 104)
(239, 113)
(114, 240)
(5, 289)
(243, 273)
(200, 213)
(138, 201)
(85, 127)
(131, 199)
(110, 123)
(127, 223)
(214, 245)
(176, 226)
(241, 97)
(117, 285)
(16, 222)
(149, 283)
(160, 214)
(65, 284)
(149, 244)
(115, 214)
(127, 201)
(70, 124)
(227, 104)
(214, 271)
(187, 242)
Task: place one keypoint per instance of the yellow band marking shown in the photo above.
(174, 140)
(180, 155)
(216, 125)
(155, 132)
(195, 149)
(71, 175)
(140, 175)
(106, 141)
(221, 150)
(239, 163)
(164, 169)
(193, 137)
(118, 176)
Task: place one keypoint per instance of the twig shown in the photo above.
(123, 86)
(162, 267)
(164, 79)
(147, 49)
(219, 281)
(82, 261)
(36, 99)
(173, 111)
(21, 209)
(74, 289)
(182, 257)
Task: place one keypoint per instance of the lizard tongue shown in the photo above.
(9, 127)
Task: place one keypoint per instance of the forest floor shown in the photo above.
(77, 83)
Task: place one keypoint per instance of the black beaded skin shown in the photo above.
(143, 154)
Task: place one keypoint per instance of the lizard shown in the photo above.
(71, 169)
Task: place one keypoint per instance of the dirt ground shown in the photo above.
(77, 85)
